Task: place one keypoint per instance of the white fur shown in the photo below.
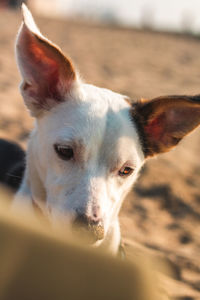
(98, 121)
(96, 124)
(29, 21)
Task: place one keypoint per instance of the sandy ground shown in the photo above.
(162, 215)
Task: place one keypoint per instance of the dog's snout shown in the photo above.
(88, 220)
(93, 224)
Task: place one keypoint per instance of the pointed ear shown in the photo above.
(164, 121)
(48, 76)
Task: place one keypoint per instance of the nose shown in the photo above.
(92, 224)
(85, 220)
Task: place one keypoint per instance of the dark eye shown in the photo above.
(125, 171)
(64, 152)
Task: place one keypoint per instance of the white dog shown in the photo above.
(88, 143)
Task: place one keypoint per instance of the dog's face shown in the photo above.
(89, 143)
(85, 146)
(89, 154)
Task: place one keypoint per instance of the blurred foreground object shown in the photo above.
(38, 264)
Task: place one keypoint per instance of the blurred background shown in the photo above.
(142, 49)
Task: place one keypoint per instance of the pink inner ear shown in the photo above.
(155, 127)
(48, 74)
(41, 59)
(44, 71)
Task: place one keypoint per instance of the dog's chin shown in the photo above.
(91, 238)
(93, 242)
(97, 243)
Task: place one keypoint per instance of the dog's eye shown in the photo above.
(64, 152)
(125, 171)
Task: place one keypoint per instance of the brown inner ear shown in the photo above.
(164, 121)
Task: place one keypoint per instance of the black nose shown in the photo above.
(85, 220)
(92, 224)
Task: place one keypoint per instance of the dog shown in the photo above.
(88, 143)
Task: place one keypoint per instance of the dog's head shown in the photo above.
(89, 143)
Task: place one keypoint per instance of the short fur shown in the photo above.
(110, 138)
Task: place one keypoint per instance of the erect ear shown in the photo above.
(162, 122)
(47, 74)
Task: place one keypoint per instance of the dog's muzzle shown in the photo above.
(92, 228)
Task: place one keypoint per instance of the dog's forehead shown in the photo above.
(98, 117)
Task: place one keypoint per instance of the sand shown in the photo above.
(162, 214)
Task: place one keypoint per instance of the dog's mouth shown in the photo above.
(89, 229)
(90, 233)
